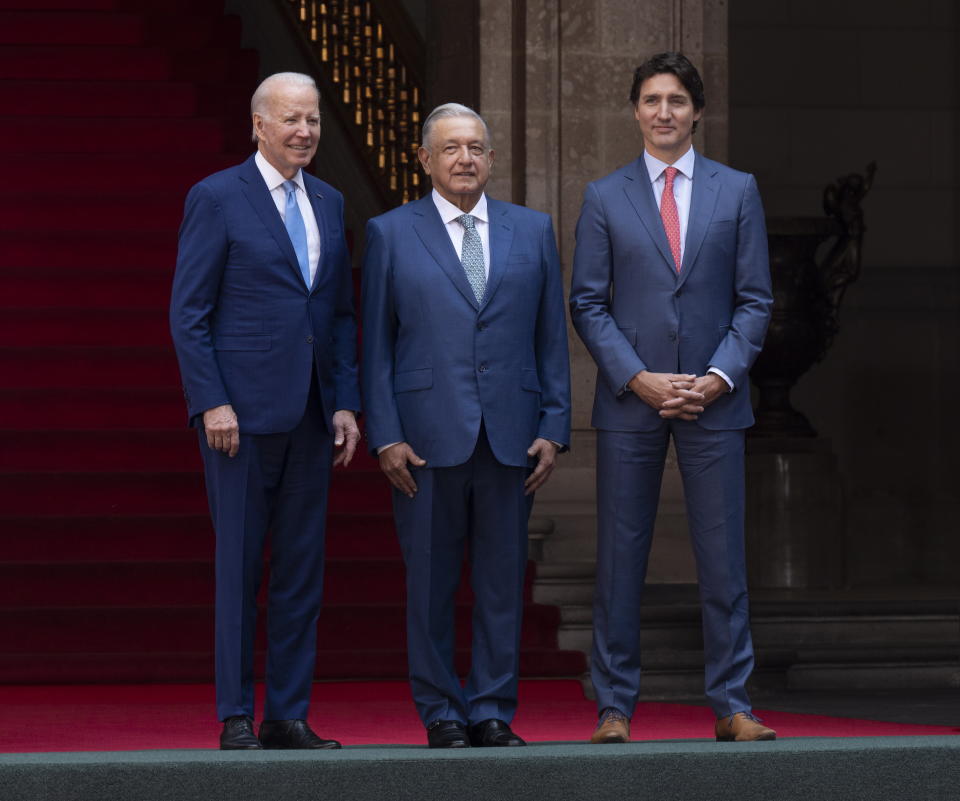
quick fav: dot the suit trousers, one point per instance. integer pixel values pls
(276, 483)
(478, 507)
(629, 472)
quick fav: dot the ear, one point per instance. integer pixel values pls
(490, 157)
(424, 155)
(258, 125)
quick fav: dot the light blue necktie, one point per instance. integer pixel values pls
(293, 220)
(471, 256)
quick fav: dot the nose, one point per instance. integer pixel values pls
(663, 110)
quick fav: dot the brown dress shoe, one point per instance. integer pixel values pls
(614, 727)
(742, 727)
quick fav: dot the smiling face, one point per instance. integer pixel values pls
(666, 115)
(288, 127)
(458, 159)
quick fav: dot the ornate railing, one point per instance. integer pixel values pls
(377, 83)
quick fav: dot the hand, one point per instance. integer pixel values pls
(222, 429)
(393, 462)
(709, 387)
(659, 389)
(546, 454)
(345, 433)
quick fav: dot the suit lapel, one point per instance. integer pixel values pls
(501, 237)
(255, 190)
(315, 203)
(432, 232)
(639, 191)
(703, 202)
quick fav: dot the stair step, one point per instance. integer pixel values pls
(62, 290)
(32, 98)
(179, 666)
(138, 211)
(149, 583)
(159, 629)
(71, 407)
(161, 493)
(167, 537)
(87, 253)
(43, 62)
(88, 326)
(70, 28)
(143, 135)
(106, 174)
(128, 63)
(85, 367)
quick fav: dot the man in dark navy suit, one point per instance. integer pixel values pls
(263, 323)
(671, 295)
(466, 386)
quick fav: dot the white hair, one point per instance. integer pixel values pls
(261, 97)
(446, 111)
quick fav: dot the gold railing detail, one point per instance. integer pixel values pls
(379, 96)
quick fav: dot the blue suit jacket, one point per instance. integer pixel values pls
(635, 312)
(435, 363)
(247, 330)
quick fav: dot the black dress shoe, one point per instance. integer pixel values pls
(493, 732)
(237, 735)
(292, 734)
(447, 734)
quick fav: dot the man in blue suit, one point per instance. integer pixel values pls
(263, 324)
(466, 383)
(671, 295)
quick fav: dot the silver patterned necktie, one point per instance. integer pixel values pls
(471, 256)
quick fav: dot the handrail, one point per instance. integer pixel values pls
(377, 83)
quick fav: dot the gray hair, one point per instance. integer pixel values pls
(446, 111)
(260, 97)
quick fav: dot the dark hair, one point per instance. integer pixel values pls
(676, 64)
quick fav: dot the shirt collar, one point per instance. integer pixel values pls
(684, 164)
(272, 177)
(449, 212)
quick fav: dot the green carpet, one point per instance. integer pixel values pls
(811, 769)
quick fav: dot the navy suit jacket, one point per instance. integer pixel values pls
(247, 330)
(635, 312)
(435, 362)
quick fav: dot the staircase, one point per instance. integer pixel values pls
(112, 109)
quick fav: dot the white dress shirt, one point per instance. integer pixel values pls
(274, 181)
(682, 187)
(449, 214)
(682, 193)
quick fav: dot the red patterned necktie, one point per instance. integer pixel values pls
(670, 216)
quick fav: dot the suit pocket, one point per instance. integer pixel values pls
(242, 342)
(529, 380)
(411, 380)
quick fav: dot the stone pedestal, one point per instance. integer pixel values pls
(795, 514)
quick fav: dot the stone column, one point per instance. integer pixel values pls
(578, 61)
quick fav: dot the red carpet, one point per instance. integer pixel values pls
(137, 717)
(106, 571)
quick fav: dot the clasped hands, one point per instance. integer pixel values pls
(223, 432)
(394, 461)
(677, 396)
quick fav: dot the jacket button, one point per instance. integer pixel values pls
(310, 340)
(678, 293)
(481, 326)
(483, 368)
(673, 336)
